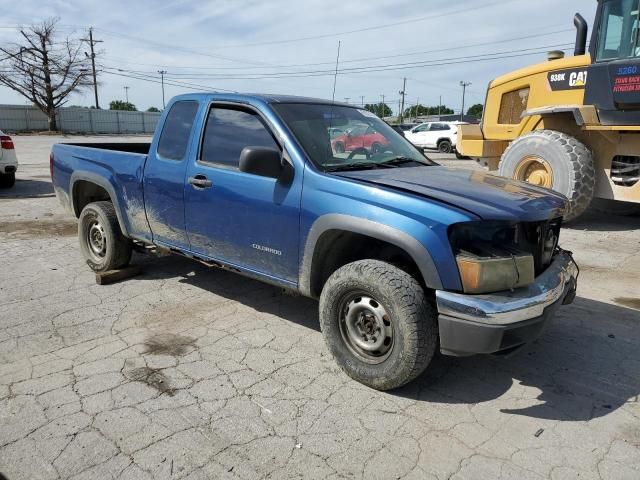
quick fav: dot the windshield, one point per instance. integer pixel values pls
(618, 35)
(346, 138)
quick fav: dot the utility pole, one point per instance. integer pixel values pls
(362, 100)
(440, 106)
(464, 86)
(126, 93)
(162, 74)
(402, 92)
(382, 109)
(417, 106)
(92, 44)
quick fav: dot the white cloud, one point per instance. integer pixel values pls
(196, 32)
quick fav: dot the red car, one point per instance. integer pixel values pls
(362, 136)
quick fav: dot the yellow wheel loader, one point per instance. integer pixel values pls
(571, 124)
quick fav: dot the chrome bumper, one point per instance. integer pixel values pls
(508, 307)
(503, 321)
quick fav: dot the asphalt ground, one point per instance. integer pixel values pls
(188, 372)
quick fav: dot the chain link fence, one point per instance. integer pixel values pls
(24, 118)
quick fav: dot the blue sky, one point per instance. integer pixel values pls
(283, 46)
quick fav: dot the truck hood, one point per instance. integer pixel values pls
(486, 196)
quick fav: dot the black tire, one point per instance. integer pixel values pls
(445, 146)
(614, 207)
(410, 323)
(340, 147)
(376, 148)
(459, 156)
(99, 220)
(7, 180)
(570, 161)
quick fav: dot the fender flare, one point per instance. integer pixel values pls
(347, 223)
(101, 182)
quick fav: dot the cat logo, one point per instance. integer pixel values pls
(578, 79)
(568, 79)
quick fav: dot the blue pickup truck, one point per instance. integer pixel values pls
(405, 256)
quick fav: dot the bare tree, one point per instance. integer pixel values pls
(44, 69)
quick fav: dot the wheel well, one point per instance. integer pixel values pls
(336, 248)
(85, 192)
(444, 139)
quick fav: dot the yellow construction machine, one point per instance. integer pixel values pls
(571, 124)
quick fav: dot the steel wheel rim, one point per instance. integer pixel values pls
(535, 170)
(96, 240)
(366, 328)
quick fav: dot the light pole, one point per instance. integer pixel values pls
(126, 93)
(464, 86)
(162, 74)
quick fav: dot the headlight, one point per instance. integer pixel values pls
(490, 257)
(494, 274)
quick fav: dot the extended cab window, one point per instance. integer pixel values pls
(228, 131)
(177, 130)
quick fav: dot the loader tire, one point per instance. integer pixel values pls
(554, 160)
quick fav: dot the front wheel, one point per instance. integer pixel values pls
(101, 241)
(378, 324)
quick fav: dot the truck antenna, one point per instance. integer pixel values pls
(335, 76)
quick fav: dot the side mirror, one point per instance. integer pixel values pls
(262, 161)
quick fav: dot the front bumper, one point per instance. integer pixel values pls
(504, 321)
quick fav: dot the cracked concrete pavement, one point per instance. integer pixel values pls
(187, 372)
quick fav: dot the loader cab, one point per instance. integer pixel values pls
(613, 85)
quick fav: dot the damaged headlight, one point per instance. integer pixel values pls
(490, 258)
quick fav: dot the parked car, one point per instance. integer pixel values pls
(441, 136)
(405, 256)
(360, 137)
(8, 161)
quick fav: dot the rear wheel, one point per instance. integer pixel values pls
(376, 148)
(339, 147)
(553, 160)
(101, 241)
(7, 180)
(377, 323)
(445, 146)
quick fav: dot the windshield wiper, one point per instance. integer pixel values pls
(401, 161)
(353, 166)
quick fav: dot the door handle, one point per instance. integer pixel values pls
(200, 181)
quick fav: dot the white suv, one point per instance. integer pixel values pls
(8, 161)
(441, 136)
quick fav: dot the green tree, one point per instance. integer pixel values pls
(380, 109)
(476, 110)
(153, 109)
(422, 110)
(122, 105)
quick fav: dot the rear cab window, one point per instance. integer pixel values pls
(176, 131)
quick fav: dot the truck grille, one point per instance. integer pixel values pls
(625, 170)
(541, 239)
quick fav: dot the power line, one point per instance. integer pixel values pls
(368, 68)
